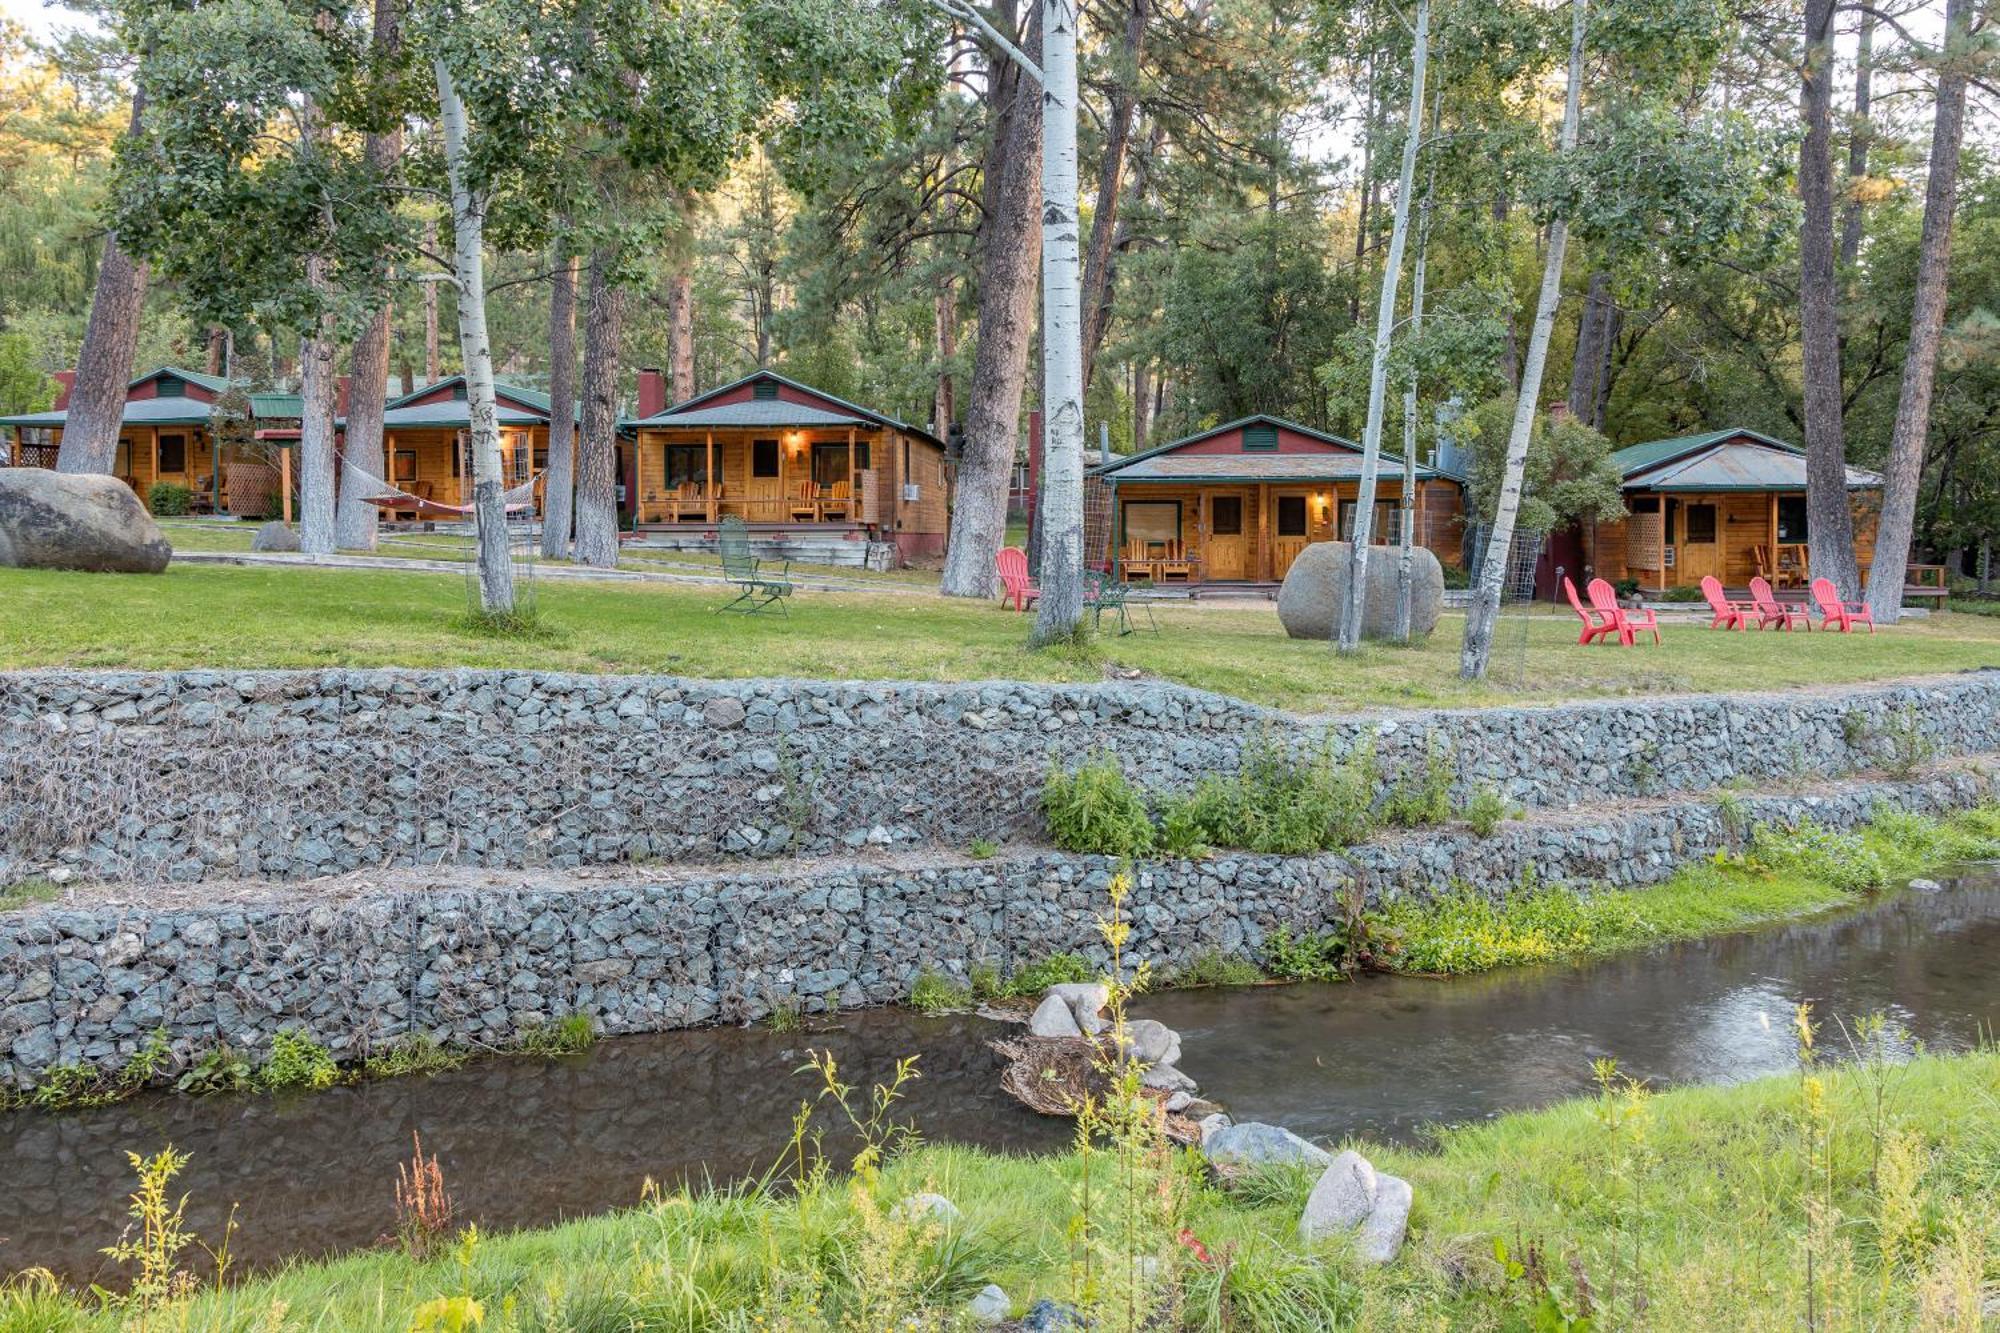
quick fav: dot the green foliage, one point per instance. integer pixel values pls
(68, 1087)
(785, 1016)
(1845, 861)
(521, 625)
(297, 1062)
(220, 1069)
(982, 849)
(1279, 802)
(24, 385)
(1095, 809)
(28, 893)
(1322, 955)
(572, 1034)
(168, 499)
(1487, 808)
(412, 1053)
(1570, 476)
(934, 993)
(1055, 970)
(985, 981)
(1467, 931)
(1215, 968)
(1423, 797)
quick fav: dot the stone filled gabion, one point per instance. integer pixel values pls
(190, 775)
(732, 943)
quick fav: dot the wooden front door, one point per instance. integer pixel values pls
(1228, 541)
(1291, 529)
(1700, 552)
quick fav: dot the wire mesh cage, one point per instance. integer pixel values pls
(1509, 660)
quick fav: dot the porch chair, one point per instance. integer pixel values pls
(1137, 563)
(836, 499)
(691, 501)
(1014, 581)
(758, 591)
(1595, 623)
(1836, 614)
(1728, 614)
(1630, 623)
(1175, 565)
(1103, 593)
(805, 504)
(1771, 611)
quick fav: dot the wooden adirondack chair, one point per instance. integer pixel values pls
(1836, 614)
(1628, 623)
(1595, 623)
(1771, 611)
(757, 591)
(1015, 585)
(1728, 614)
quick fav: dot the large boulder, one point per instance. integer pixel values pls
(1255, 1145)
(1313, 599)
(57, 520)
(274, 536)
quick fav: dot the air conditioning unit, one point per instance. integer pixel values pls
(912, 492)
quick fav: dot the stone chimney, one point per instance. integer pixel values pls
(652, 392)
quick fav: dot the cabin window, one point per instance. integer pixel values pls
(458, 391)
(1150, 521)
(173, 454)
(1260, 439)
(1225, 515)
(1792, 518)
(457, 452)
(685, 463)
(1382, 530)
(170, 386)
(1698, 527)
(764, 391)
(763, 458)
(1291, 516)
(829, 461)
(405, 465)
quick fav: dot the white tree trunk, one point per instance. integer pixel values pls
(318, 390)
(559, 494)
(468, 215)
(1477, 649)
(1385, 328)
(1060, 516)
(1405, 557)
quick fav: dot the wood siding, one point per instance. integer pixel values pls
(1262, 553)
(1628, 547)
(878, 491)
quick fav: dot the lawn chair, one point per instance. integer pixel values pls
(1102, 593)
(1728, 614)
(1595, 623)
(805, 503)
(1015, 585)
(1771, 611)
(758, 590)
(1629, 623)
(1835, 613)
(1174, 566)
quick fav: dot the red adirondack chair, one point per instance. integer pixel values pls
(1728, 614)
(1836, 614)
(1595, 623)
(1628, 623)
(1771, 611)
(1015, 585)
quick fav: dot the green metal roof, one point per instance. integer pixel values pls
(527, 398)
(771, 413)
(694, 403)
(1119, 464)
(1638, 458)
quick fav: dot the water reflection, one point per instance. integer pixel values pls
(526, 1142)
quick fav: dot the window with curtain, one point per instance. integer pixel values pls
(1149, 521)
(685, 463)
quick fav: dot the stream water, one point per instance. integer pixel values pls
(526, 1142)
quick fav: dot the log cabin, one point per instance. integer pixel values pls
(424, 452)
(803, 468)
(1729, 503)
(1237, 503)
(168, 435)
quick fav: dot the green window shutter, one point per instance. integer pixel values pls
(764, 391)
(1260, 439)
(170, 386)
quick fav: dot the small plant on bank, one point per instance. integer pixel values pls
(785, 1016)
(1422, 798)
(220, 1069)
(572, 1034)
(297, 1061)
(424, 1208)
(982, 849)
(1216, 968)
(936, 993)
(1843, 860)
(28, 893)
(1055, 970)
(1094, 808)
(1908, 746)
(412, 1053)
(162, 1236)
(71, 1087)
(985, 981)
(1487, 809)
(1320, 955)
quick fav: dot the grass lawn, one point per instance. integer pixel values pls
(209, 616)
(1694, 1209)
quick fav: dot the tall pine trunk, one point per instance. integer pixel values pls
(1477, 650)
(318, 394)
(1406, 537)
(1059, 513)
(475, 348)
(368, 367)
(1860, 139)
(433, 357)
(1349, 638)
(104, 364)
(1896, 527)
(1097, 266)
(944, 318)
(559, 491)
(1829, 520)
(1005, 317)
(597, 493)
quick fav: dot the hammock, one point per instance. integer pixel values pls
(515, 499)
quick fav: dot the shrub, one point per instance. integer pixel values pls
(1320, 955)
(571, 1034)
(1215, 968)
(167, 499)
(222, 1069)
(1843, 860)
(297, 1061)
(1095, 809)
(1055, 970)
(1278, 803)
(413, 1053)
(935, 993)
(1487, 808)
(982, 849)
(1422, 797)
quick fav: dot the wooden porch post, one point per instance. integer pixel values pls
(853, 482)
(1264, 531)
(285, 483)
(156, 460)
(708, 475)
(14, 450)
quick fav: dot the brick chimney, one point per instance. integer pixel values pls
(66, 382)
(652, 392)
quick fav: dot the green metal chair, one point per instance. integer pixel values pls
(1103, 592)
(758, 591)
